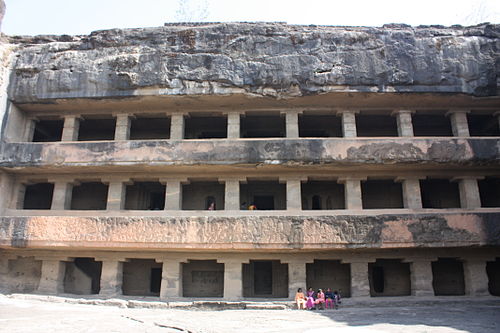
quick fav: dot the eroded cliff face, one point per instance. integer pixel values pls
(270, 59)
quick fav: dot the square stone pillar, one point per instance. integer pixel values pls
(18, 193)
(459, 124)
(61, 197)
(122, 128)
(297, 277)
(476, 278)
(170, 279)
(469, 192)
(293, 193)
(70, 129)
(233, 279)
(348, 123)
(177, 126)
(233, 125)
(232, 194)
(352, 192)
(292, 124)
(111, 277)
(30, 129)
(412, 197)
(52, 277)
(421, 276)
(173, 193)
(4, 271)
(116, 194)
(404, 121)
(360, 285)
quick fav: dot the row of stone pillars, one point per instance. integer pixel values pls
(61, 199)
(476, 279)
(458, 119)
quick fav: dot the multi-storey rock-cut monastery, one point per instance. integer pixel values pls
(129, 160)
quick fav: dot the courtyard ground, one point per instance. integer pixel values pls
(23, 313)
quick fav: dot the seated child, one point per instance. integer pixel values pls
(300, 299)
(320, 299)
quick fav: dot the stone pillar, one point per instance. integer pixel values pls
(18, 193)
(469, 192)
(173, 193)
(296, 277)
(352, 192)
(293, 194)
(459, 124)
(292, 124)
(116, 195)
(52, 277)
(497, 114)
(4, 271)
(232, 194)
(476, 278)
(233, 279)
(70, 129)
(170, 279)
(421, 277)
(348, 123)
(404, 121)
(233, 125)
(412, 197)
(111, 278)
(61, 197)
(177, 126)
(122, 128)
(360, 285)
(30, 129)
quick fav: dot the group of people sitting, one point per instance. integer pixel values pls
(317, 300)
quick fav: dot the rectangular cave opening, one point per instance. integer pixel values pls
(139, 275)
(448, 277)
(483, 125)
(202, 278)
(83, 276)
(38, 196)
(326, 274)
(212, 126)
(493, 272)
(203, 195)
(389, 277)
(263, 195)
(320, 195)
(381, 193)
(376, 125)
(94, 128)
(431, 124)
(262, 125)
(145, 127)
(265, 278)
(49, 130)
(439, 193)
(145, 195)
(319, 126)
(89, 196)
(489, 191)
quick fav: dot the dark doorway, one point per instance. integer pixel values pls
(263, 277)
(448, 277)
(83, 276)
(493, 271)
(48, 130)
(329, 274)
(202, 278)
(378, 279)
(155, 280)
(264, 202)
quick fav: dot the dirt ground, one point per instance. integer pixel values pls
(456, 315)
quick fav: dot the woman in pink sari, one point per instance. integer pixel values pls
(320, 299)
(310, 298)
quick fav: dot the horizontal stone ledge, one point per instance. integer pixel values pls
(252, 232)
(334, 151)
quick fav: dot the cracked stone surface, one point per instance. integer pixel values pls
(266, 59)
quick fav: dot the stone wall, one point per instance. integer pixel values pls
(246, 232)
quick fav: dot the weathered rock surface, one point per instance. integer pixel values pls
(243, 232)
(269, 59)
(394, 151)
